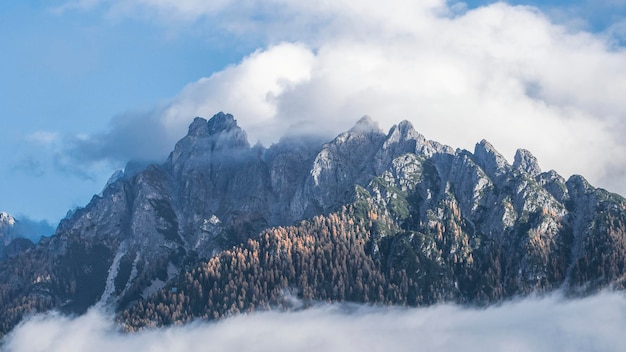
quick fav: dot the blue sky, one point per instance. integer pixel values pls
(71, 73)
(87, 85)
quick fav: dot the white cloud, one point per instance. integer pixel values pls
(249, 90)
(500, 72)
(546, 324)
(43, 137)
(76, 5)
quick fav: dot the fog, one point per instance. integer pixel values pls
(534, 324)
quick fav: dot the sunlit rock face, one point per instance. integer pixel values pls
(438, 223)
(6, 225)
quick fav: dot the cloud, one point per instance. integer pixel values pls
(130, 136)
(535, 324)
(32, 229)
(249, 89)
(29, 165)
(501, 72)
(43, 137)
(590, 14)
(81, 156)
(77, 5)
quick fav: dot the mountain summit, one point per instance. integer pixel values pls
(222, 227)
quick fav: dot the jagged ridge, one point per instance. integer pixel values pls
(436, 224)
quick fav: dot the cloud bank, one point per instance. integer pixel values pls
(500, 72)
(535, 324)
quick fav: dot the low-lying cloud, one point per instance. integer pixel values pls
(535, 324)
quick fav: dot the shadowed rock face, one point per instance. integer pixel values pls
(464, 226)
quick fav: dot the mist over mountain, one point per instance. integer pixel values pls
(535, 324)
(223, 227)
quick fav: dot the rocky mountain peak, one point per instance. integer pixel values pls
(526, 162)
(219, 124)
(198, 127)
(366, 125)
(484, 147)
(226, 134)
(554, 184)
(216, 137)
(7, 223)
(404, 131)
(405, 126)
(490, 159)
(222, 122)
(577, 186)
(6, 219)
(402, 138)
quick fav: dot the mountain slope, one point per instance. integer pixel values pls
(460, 227)
(392, 218)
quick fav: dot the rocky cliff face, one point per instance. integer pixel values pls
(494, 230)
(436, 223)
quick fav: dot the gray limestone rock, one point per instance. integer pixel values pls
(151, 223)
(526, 162)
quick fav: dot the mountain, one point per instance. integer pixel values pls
(223, 227)
(11, 241)
(7, 222)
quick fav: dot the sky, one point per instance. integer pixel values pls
(88, 85)
(531, 325)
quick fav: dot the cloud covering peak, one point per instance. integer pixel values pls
(500, 72)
